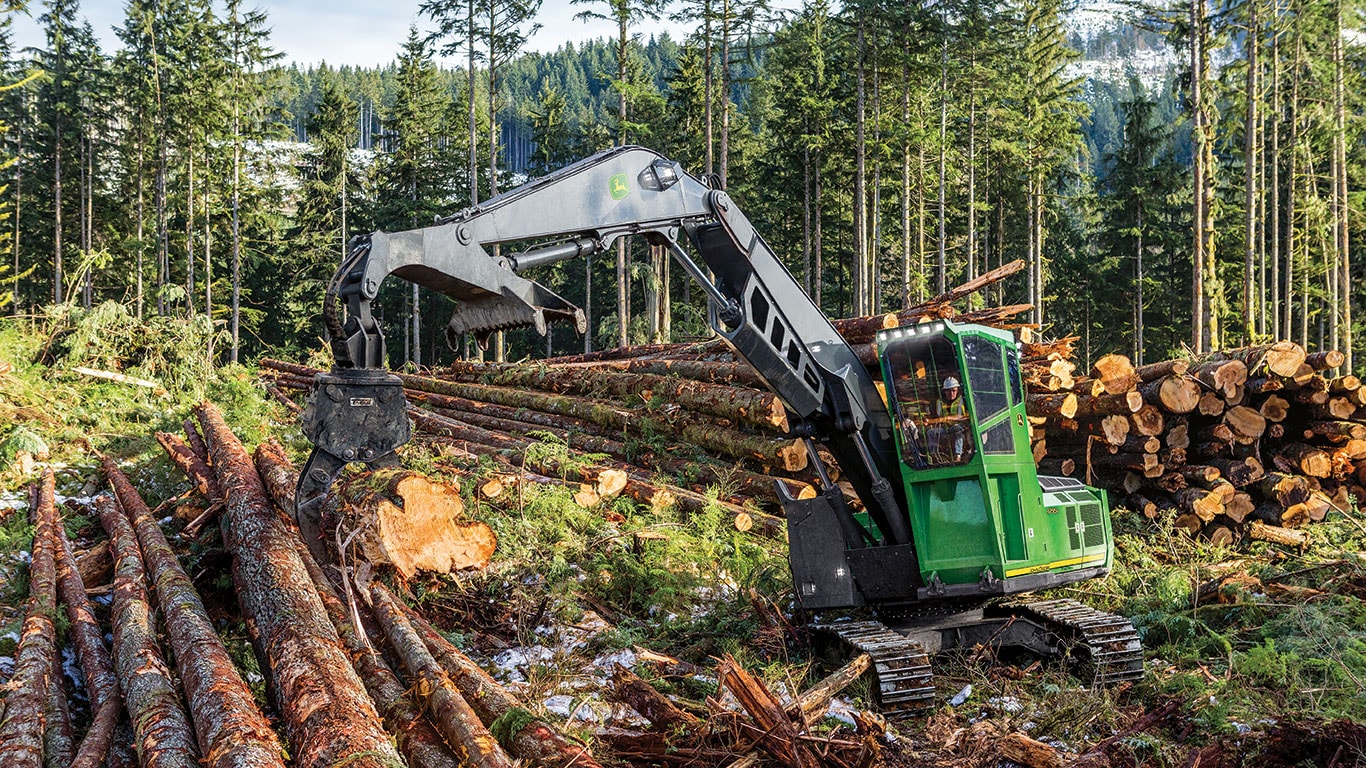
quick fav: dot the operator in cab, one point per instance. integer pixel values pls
(949, 407)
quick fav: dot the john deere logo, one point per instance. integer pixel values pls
(618, 186)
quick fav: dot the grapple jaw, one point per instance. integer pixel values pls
(527, 305)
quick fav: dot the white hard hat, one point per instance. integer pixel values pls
(950, 383)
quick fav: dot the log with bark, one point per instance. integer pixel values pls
(328, 716)
(25, 714)
(417, 739)
(754, 407)
(527, 737)
(411, 522)
(777, 734)
(161, 729)
(189, 463)
(98, 669)
(230, 729)
(471, 740)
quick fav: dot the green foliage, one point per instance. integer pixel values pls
(175, 352)
(21, 439)
(511, 723)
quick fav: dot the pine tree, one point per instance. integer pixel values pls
(328, 182)
(414, 177)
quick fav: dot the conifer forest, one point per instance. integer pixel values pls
(1186, 175)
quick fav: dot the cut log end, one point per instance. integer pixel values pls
(416, 524)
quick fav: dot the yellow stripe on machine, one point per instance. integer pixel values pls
(1056, 564)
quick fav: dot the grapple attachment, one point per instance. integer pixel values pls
(352, 415)
(527, 305)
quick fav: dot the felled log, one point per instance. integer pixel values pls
(1148, 420)
(1284, 489)
(95, 565)
(1211, 404)
(1174, 394)
(1122, 403)
(412, 523)
(162, 731)
(1061, 404)
(452, 714)
(1204, 504)
(988, 278)
(1275, 409)
(1343, 384)
(527, 738)
(194, 468)
(753, 484)
(664, 715)
(195, 440)
(1239, 507)
(1347, 430)
(861, 329)
(1247, 424)
(417, 739)
(712, 372)
(21, 729)
(1166, 368)
(1325, 360)
(788, 455)
(59, 740)
(328, 717)
(1304, 459)
(1282, 358)
(86, 635)
(1277, 535)
(1115, 373)
(641, 487)
(1221, 375)
(812, 704)
(230, 730)
(759, 408)
(1240, 472)
(1145, 463)
(1336, 408)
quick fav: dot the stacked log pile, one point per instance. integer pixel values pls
(665, 424)
(1255, 441)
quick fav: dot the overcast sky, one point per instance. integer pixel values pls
(361, 32)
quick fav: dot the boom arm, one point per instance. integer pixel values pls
(756, 306)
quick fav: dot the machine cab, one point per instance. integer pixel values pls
(981, 517)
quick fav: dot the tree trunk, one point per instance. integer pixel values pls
(328, 716)
(417, 740)
(1343, 222)
(161, 729)
(471, 741)
(533, 739)
(184, 457)
(411, 523)
(21, 729)
(231, 730)
(1250, 309)
(860, 300)
(85, 633)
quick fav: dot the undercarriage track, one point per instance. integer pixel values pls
(903, 680)
(1111, 642)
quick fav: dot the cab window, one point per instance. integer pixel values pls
(929, 402)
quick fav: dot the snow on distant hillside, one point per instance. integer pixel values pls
(1112, 46)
